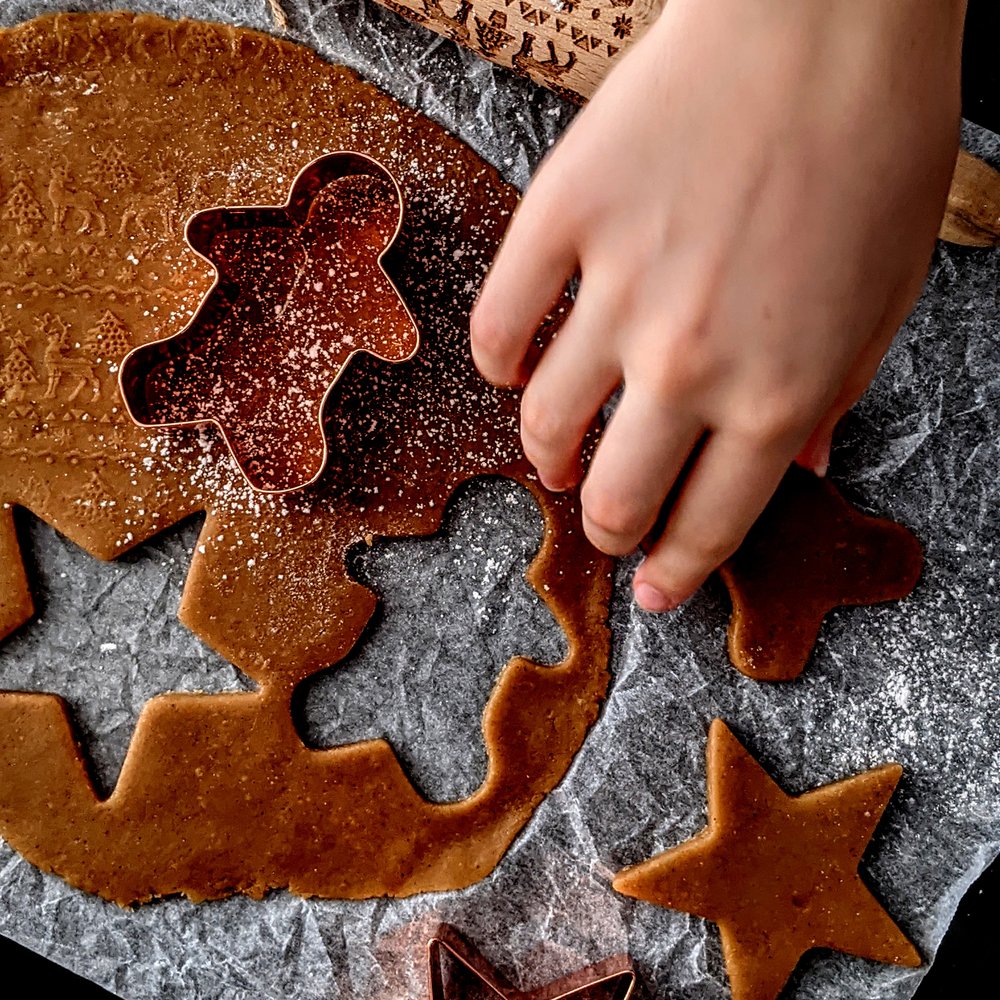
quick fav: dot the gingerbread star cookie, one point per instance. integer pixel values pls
(778, 873)
(809, 552)
(459, 972)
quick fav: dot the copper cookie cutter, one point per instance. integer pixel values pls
(610, 979)
(278, 317)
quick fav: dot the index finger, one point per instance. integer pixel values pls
(535, 261)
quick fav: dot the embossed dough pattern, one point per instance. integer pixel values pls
(113, 129)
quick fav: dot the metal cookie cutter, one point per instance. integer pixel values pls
(611, 979)
(300, 289)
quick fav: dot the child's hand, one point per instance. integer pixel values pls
(751, 200)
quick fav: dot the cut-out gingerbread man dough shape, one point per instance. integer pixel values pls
(218, 794)
(301, 290)
(778, 873)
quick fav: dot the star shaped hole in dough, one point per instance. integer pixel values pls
(778, 873)
(106, 637)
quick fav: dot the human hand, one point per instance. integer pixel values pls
(751, 200)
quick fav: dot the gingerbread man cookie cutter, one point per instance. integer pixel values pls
(300, 289)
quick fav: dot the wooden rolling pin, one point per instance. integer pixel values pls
(972, 218)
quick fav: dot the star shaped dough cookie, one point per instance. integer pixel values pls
(809, 552)
(459, 972)
(778, 873)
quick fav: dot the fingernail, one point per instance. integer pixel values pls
(821, 462)
(559, 484)
(650, 599)
(552, 486)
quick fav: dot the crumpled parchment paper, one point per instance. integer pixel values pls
(916, 681)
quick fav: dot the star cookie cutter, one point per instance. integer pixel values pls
(610, 979)
(299, 290)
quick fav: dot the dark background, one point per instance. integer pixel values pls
(965, 965)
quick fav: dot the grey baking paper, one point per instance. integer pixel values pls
(917, 681)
